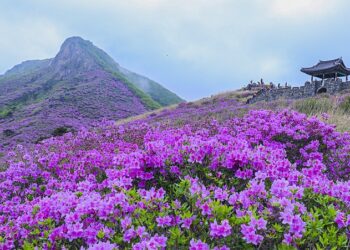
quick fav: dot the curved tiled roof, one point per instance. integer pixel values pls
(328, 69)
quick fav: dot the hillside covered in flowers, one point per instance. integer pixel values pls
(250, 180)
(81, 85)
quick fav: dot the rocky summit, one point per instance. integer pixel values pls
(81, 85)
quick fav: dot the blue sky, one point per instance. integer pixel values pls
(195, 48)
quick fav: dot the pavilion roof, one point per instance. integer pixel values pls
(328, 69)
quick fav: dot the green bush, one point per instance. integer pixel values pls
(4, 113)
(8, 132)
(60, 131)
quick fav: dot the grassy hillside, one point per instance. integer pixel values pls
(145, 98)
(233, 104)
(156, 91)
(337, 108)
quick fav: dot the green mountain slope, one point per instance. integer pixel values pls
(158, 93)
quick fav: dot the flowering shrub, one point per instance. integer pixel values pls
(267, 180)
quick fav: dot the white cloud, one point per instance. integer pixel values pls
(272, 66)
(27, 39)
(303, 9)
(234, 40)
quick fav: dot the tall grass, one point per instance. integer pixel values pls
(337, 108)
(344, 106)
(314, 106)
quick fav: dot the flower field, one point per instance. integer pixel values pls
(264, 180)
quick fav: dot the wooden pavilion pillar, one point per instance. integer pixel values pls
(312, 79)
(322, 79)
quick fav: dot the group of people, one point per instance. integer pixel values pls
(261, 85)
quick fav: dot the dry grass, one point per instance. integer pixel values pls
(342, 121)
(144, 115)
(337, 107)
(239, 95)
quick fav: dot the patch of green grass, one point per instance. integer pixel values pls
(5, 113)
(161, 94)
(145, 99)
(312, 106)
(61, 131)
(344, 106)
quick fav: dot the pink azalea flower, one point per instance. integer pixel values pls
(198, 245)
(220, 230)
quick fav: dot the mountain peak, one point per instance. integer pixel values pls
(77, 55)
(76, 38)
(76, 41)
(80, 85)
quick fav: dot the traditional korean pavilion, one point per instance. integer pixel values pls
(328, 69)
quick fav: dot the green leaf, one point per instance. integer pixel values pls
(186, 214)
(100, 234)
(36, 231)
(278, 228)
(30, 197)
(35, 210)
(118, 239)
(175, 232)
(323, 240)
(79, 194)
(332, 212)
(28, 246)
(285, 247)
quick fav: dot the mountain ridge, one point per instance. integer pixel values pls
(79, 86)
(98, 59)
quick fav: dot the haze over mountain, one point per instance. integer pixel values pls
(79, 86)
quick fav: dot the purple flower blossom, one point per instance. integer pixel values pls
(141, 232)
(221, 248)
(187, 222)
(175, 170)
(220, 230)
(206, 210)
(129, 234)
(110, 181)
(288, 239)
(198, 245)
(340, 219)
(126, 222)
(297, 227)
(156, 242)
(250, 235)
(164, 221)
(103, 246)
(258, 224)
(220, 194)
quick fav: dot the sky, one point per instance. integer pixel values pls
(195, 48)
